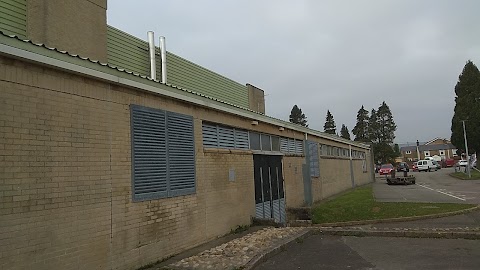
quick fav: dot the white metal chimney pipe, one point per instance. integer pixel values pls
(151, 50)
(163, 55)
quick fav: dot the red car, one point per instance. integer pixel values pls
(386, 169)
(449, 162)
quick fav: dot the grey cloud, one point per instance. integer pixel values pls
(336, 55)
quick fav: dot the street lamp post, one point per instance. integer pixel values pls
(418, 152)
(466, 148)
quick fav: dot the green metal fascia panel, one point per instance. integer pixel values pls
(127, 52)
(131, 53)
(13, 17)
(188, 75)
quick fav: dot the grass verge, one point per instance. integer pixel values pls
(359, 204)
(461, 175)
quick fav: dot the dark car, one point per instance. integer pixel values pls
(403, 167)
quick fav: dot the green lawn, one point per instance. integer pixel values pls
(359, 204)
(461, 175)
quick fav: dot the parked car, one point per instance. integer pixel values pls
(462, 163)
(449, 162)
(437, 164)
(426, 165)
(403, 167)
(386, 169)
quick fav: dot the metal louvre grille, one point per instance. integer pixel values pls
(226, 138)
(217, 136)
(298, 147)
(163, 157)
(284, 145)
(241, 139)
(181, 154)
(210, 136)
(291, 146)
(149, 153)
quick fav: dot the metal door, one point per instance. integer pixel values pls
(269, 189)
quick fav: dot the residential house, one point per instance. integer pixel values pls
(440, 148)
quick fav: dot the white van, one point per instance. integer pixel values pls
(426, 165)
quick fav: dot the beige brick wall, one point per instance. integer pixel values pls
(334, 175)
(293, 177)
(65, 176)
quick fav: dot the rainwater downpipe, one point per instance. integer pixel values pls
(151, 50)
(163, 55)
(352, 176)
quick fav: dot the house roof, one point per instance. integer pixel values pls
(428, 147)
(39, 53)
(437, 138)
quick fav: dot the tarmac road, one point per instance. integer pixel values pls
(347, 252)
(336, 252)
(436, 187)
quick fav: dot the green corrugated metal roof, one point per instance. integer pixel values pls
(131, 53)
(13, 19)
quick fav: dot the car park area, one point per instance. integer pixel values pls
(436, 186)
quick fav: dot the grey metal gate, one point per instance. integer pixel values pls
(269, 189)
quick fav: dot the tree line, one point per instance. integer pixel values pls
(376, 128)
(467, 110)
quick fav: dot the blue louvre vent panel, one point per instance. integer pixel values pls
(226, 137)
(181, 154)
(163, 154)
(218, 136)
(241, 139)
(298, 147)
(210, 135)
(284, 145)
(149, 153)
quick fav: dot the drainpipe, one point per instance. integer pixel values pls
(352, 177)
(151, 50)
(163, 55)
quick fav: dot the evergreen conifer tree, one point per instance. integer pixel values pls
(344, 133)
(361, 128)
(329, 126)
(467, 107)
(297, 117)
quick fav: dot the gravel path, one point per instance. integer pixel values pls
(238, 252)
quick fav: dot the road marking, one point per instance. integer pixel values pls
(442, 192)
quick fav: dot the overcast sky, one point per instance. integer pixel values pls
(325, 55)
